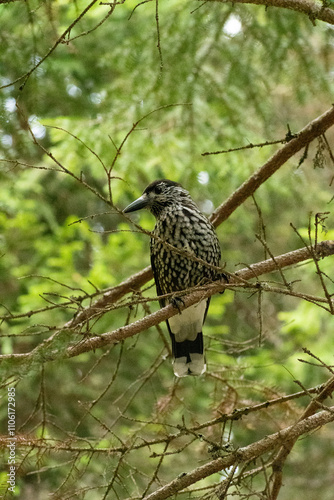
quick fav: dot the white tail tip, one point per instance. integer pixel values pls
(196, 366)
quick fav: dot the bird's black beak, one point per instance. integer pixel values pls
(138, 204)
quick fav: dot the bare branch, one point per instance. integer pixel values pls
(49, 444)
(245, 454)
(131, 284)
(323, 249)
(267, 266)
(313, 130)
(285, 450)
(60, 40)
(313, 10)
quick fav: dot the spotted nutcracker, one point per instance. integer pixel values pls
(180, 224)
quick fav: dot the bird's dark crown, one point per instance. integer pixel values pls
(161, 185)
(160, 194)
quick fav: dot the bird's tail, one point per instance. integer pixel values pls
(188, 356)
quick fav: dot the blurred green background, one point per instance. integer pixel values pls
(205, 77)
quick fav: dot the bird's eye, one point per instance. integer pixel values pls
(158, 189)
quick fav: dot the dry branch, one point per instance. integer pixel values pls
(131, 284)
(285, 450)
(245, 454)
(27, 441)
(323, 249)
(314, 10)
(313, 130)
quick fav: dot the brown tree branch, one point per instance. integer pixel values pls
(314, 10)
(245, 454)
(313, 130)
(306, 135)
(310, 132)
(323, 249)
(277, 466)
(44, 350)
(26, 441)
(135, 282)
(60, 40)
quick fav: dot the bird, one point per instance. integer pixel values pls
(181, 226)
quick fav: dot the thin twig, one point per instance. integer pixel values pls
(245, 454)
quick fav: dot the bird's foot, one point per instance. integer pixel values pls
(177, 302)
(223, 277)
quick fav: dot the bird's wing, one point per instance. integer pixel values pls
(162, 302)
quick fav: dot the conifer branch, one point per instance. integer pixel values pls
(323, 249)
(314, 129)
(239, 279)
(285, 449)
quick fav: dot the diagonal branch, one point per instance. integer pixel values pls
(46, 351)
(285, 450)
(131, 284)
(245, 454)
(305, 136)
(323, 249)
(314, 129)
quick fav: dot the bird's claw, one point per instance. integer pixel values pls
(176, 302)
(224, 277)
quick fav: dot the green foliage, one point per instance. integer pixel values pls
(119, 102)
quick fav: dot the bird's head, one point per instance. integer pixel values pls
(158, 195)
